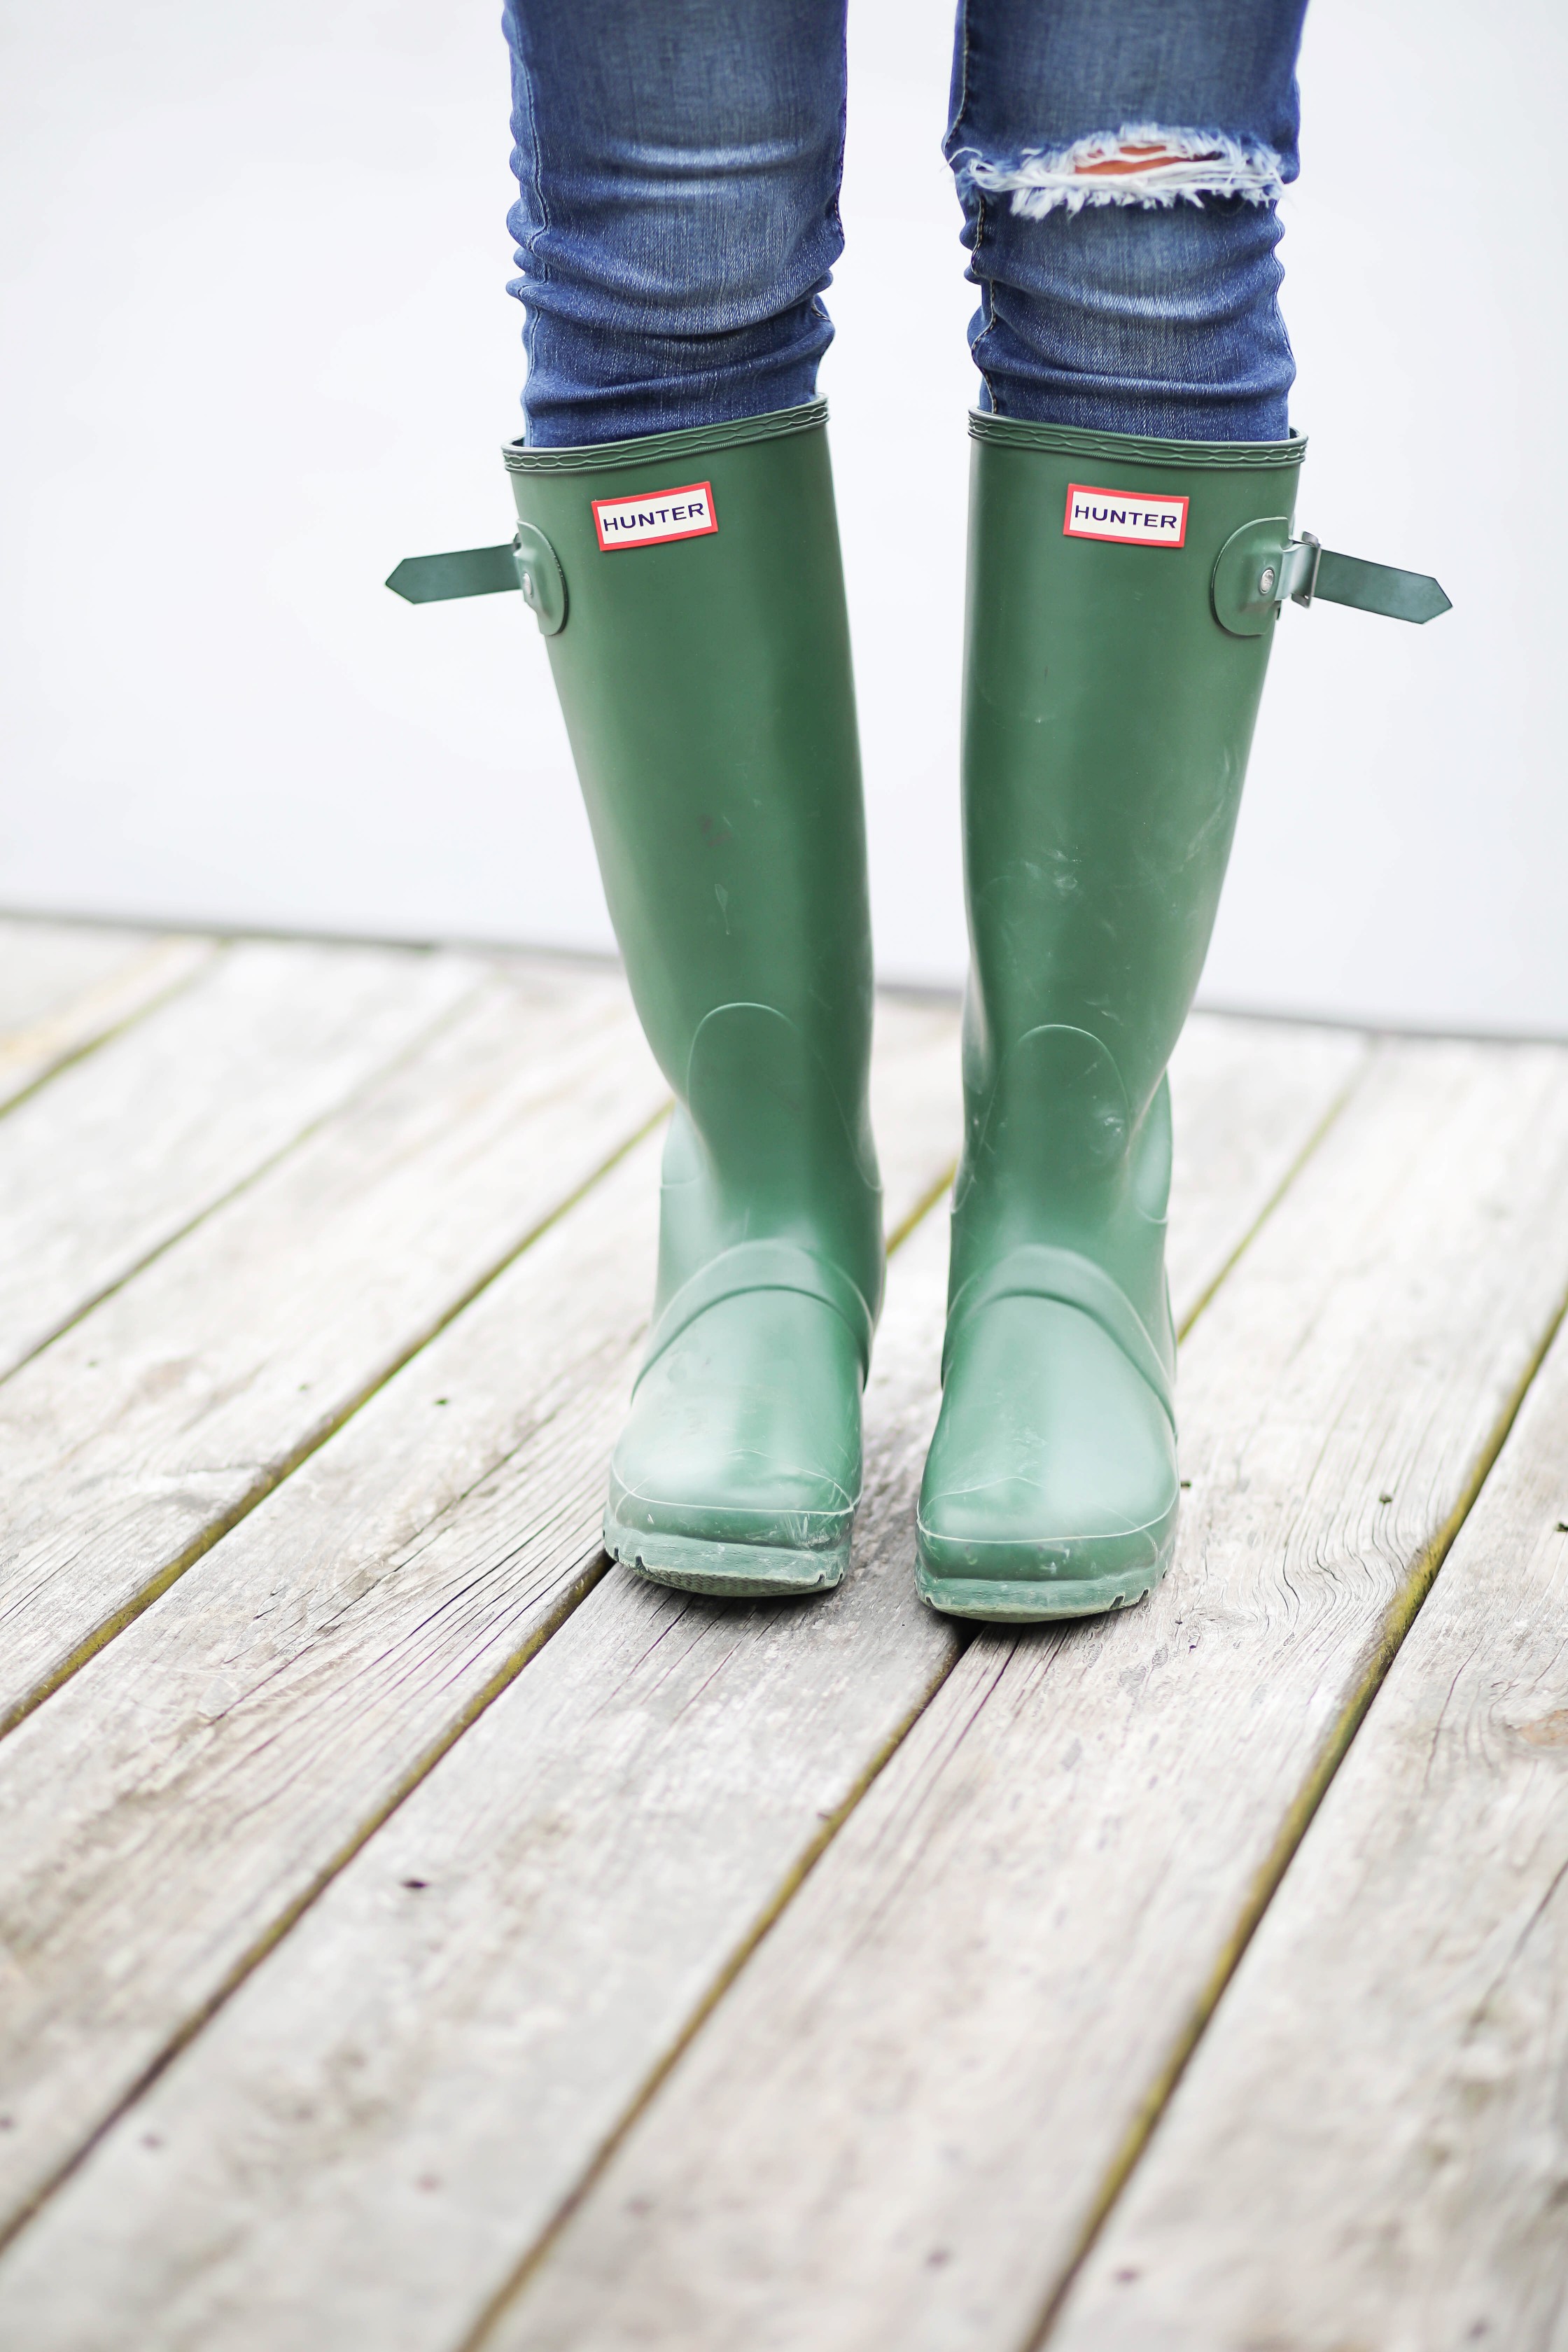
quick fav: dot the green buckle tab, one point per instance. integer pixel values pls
(1377, 588)
(528, 562)
(467, 572)
(1260, 568)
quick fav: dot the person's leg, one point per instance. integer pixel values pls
(679, 164)
(1118, 160)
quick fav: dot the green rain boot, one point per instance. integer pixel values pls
(690, 589)
(1122, 599)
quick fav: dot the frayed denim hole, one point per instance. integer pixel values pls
(1143, 164)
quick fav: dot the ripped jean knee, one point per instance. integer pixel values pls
(1119, 171)
(1133, 317)
(1142, 167)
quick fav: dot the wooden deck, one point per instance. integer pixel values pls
(414, 1935)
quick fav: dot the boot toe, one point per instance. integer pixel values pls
(738, 1469)
(1050, 1488)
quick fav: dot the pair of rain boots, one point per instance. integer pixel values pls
(1122, 599)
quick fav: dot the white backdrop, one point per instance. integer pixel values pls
(257, 349)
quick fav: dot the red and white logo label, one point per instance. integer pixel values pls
(645, 521)
(1127, 515)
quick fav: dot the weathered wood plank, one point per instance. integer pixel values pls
(161, 1418)
(1371, 2146)
(900, 2124)
(63, 987)
(196, 1782)
(123, 1151)
(45, 963)
(917, 1104)
(593, 1856)
(1244, 1092)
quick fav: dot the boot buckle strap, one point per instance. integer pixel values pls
(528, 562)
(1261, 568)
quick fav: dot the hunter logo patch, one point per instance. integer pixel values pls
(1131, 516)
(645, 521)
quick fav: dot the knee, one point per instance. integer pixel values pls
(682, 289)
(1131, 267)
(689, 241)
(1167, 280)
(677, 173)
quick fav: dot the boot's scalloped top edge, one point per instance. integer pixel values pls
(662, 448)
(1134, 449)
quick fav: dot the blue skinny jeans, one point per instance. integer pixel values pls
(1118, 164)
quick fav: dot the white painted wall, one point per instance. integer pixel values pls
(257, 349)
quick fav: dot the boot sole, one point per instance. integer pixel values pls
(727, 1572)
(1031, 1600)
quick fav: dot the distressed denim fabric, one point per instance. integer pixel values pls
(1118, 164)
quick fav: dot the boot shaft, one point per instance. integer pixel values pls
(1108, 718)
(701, 657)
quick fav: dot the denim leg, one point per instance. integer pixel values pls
(678, 166)
(1119, 162)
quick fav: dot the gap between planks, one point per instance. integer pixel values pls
(65, 990)
(888, 1611)
(122, 1154)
